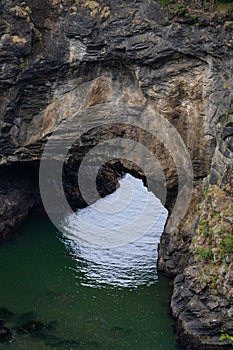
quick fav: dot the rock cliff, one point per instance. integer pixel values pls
(92, 61)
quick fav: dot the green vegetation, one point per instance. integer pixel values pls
(215, 232)
(226, 336)
(225, 5)
(212, 246)
(174, 7)
(187, 7)
(227, 245)
(207, 233)
(22, 63)
(207, 255)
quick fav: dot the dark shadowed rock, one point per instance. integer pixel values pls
(6, 335)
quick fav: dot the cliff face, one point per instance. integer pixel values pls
(203, 290)
(93, 61)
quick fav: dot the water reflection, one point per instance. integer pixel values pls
(110, 220)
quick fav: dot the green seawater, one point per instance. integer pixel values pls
(40, 281)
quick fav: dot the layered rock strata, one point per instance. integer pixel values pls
(95, 63)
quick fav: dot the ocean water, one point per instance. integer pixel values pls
(118, 237)
(92, 286)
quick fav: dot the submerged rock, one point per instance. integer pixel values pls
(26, 317)
(4, 331)
(6, 335)
(32, 327)
(6, 315)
